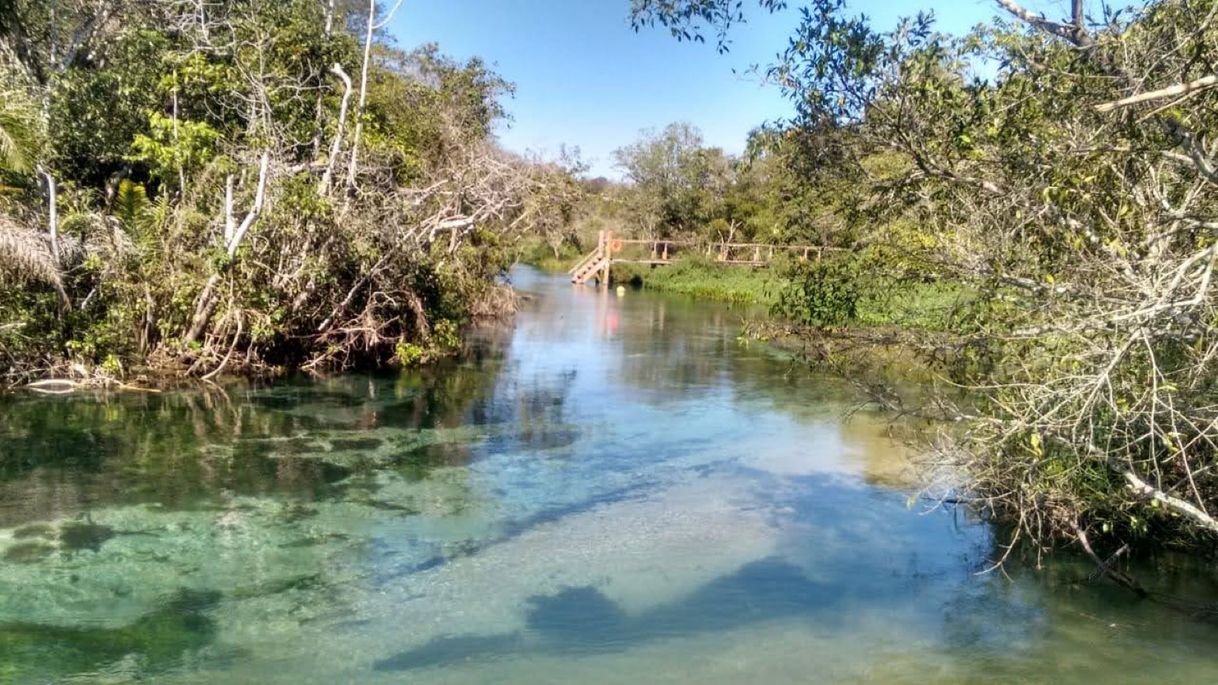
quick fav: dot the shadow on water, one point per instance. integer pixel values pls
(158, 641)
(582, 620)
(35, 541)
(872, 557)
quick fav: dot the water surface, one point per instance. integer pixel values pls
(613, 490)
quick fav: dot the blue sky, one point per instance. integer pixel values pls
(585, 79)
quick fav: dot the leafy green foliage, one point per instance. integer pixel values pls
(1083, 315)
(669, 171)
(180, 245)
(20, 134)
(174, 147)
(688, 19)
(823, 293)
(131, 207)
(97, 109)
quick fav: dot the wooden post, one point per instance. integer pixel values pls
(608, 258)
(666, 252)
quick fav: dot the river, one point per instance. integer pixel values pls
(610, 490)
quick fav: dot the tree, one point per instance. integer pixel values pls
(373, 24)
(689, 19)
(188, 152)
(1072, 193)
(669, 172)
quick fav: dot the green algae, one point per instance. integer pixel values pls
(158, 640)
(35, 530)
(28, 552)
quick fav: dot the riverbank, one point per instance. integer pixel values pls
(164, 370)
(928, 305)
(706, 280)
(540, 255)
(258, 239)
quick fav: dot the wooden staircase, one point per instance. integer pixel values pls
(589, 267)
(594, 264)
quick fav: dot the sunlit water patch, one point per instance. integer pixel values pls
(612, 490)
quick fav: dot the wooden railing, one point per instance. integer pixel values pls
(660, 251)
(663, 251)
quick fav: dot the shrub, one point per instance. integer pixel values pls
(822, 293)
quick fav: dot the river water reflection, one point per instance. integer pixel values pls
(613, 490)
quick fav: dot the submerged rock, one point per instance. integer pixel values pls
(354, 444)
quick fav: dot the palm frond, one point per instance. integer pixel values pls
(18, 134)
(131, 206)
(27, 255)
(93, 234)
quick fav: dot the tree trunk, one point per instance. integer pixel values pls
(230, 220)
(53, 214)
(373, 25)
(319, 116)
(177, 141)
(327, 178)
(353, 166)
(205, 306)
(329, 18)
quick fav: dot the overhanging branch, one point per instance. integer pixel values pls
(1075, 32)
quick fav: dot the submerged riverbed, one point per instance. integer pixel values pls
(612, 490)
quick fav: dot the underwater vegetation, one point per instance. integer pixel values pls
(157, 641)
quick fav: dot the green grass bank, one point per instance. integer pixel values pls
(706, 280)
(906, 304)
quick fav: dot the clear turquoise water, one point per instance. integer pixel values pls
(613, 490)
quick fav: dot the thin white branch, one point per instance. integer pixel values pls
(327, 178)
(388, 16)
(53, 213)
(256, 210)
(1203, 83)
(1073, 32)
(230, 219)
(1182, 507)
